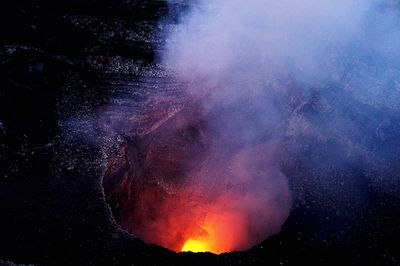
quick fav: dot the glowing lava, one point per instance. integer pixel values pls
(205, 241)
(196, 245)
(221, 231)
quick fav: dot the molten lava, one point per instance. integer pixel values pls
(204, 242)
(195, 245)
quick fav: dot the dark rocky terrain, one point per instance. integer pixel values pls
(61, 62)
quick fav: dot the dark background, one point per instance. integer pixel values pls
(67, 58)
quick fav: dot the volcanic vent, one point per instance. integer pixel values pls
(207, 178)
(188, 186)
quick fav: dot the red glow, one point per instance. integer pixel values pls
(216, 234)
(186, 221)
(177, 187)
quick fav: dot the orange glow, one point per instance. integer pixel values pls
(179, 186)
(196, 245)
(204, 242)
(221, 231)
(221, 206)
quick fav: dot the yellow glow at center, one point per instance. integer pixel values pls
(195, 245)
